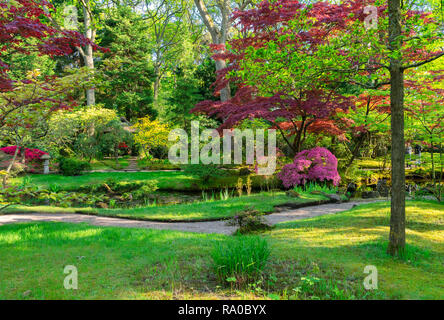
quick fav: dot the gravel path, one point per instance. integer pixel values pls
(202, 227)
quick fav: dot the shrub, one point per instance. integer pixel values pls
(148, 188)
(73, 167)
(30, 154)
(240, 259)
(249, 220)
(317, 164)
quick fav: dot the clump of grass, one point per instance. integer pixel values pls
(312, 186)
(240, 260)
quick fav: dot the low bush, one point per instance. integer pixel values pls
(317, 164)
(145, 190)
(73, 167)
(248, 221)
(240, 260)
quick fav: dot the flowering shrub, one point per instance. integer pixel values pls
(30, 154)
(317, 164)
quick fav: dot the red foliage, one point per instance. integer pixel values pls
(314, 108)
(24, 22)
(316, 165)
(310, 110)
(30, 154)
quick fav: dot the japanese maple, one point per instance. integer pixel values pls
(26, 104)
(277, 67)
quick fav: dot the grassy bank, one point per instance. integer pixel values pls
(205, 210)
(169, 180)
(119, 263)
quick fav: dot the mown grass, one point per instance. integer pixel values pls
(356, 238)
(167, 180)
(109, 164)
(318, 258)
(205, 210)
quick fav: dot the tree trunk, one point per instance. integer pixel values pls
(225, 93)
(440, 174)
(88, 55)
(356, 149)
(397, 217)
(11, 164)
(156, 86)
(217, 36)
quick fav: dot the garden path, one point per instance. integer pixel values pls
(201, 227)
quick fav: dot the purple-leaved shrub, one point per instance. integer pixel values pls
(316, 165)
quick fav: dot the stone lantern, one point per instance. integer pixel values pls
(45, 159)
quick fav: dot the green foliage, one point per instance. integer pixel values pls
(140, 188)
(73, 167)
(127, 73)
(108, 138)
(148, 188)
(14, 195)
(68, 199)
(151, 134)
(73, 131)
(182, 99)
(205, 74)
(315, 187)
(240, 260)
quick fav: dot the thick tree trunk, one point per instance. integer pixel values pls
(397, 217)
(225, 93)
(218, 36)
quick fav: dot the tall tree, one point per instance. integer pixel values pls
(126, 71)
(26, 103)
(342, 50)
(397, 67)
(219, 31)
(289, 90)
(165, 21)
(90, 31)
(397, 217)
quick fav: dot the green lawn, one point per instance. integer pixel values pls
(109, 164)
(167, 180)
(119, 263)
(170, 180)
(205, 210)
(212, 210)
